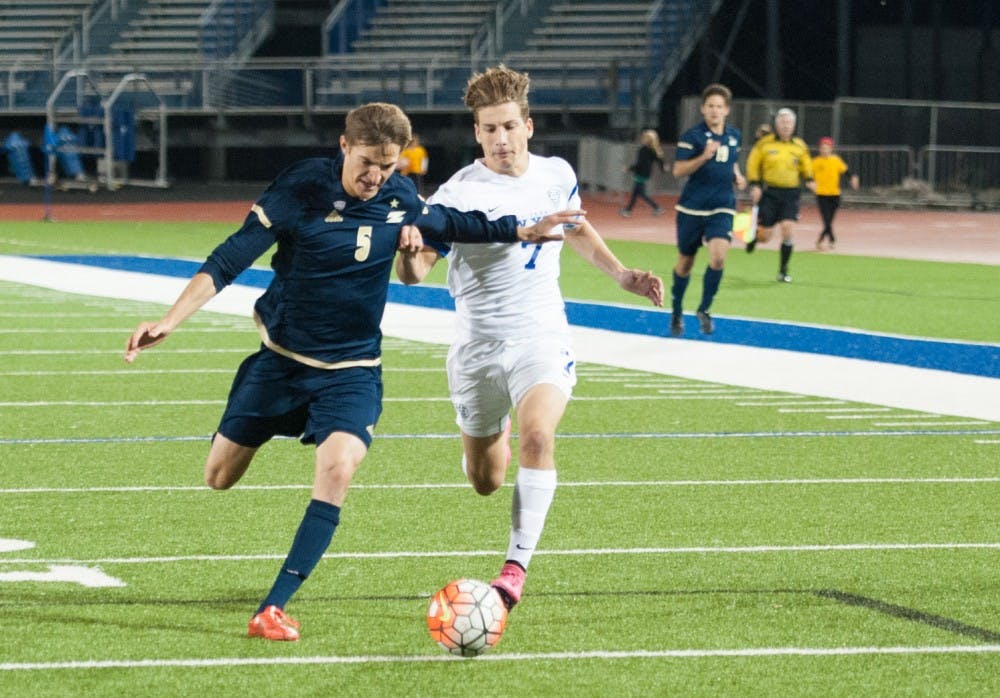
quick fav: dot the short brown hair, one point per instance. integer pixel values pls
(717, 89)
(377, 123)
(497, 85)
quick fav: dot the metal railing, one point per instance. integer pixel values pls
(334, 83)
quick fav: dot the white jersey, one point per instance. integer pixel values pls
(503, 290)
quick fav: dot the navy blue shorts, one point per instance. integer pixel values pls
(777, 204)
(273, 395)
(692, 230)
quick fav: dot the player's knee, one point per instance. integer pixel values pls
(486, 480)
(218, 479)
(536, 445)
(486, 486)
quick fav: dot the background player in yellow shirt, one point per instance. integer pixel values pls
(413, 162)
(827, 171)
(777, 167)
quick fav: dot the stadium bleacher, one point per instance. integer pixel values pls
(421, 29)
(162, 30)
(33, 30)
(588, 32)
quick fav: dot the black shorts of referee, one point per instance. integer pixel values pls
(778, 204)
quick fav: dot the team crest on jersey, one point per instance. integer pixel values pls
(334, 217)
(555, 195)
(732, 142)
(339, 205)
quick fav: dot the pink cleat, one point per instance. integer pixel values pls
(510, 583)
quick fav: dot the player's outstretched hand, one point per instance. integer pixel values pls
(542, 231)
(147, 335)
(410, 239)
(643, 283)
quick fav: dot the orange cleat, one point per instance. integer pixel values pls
(273, 624)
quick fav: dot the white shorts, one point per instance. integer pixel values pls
(488, 377)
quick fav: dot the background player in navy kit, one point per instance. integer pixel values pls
(337, 223)
(708, 155)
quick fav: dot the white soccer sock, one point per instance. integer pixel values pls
(533, 493)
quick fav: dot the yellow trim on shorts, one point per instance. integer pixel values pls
(307, 360)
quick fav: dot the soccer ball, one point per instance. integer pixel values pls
(466, 617)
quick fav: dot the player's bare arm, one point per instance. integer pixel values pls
(587, 242)
(738, 179)
(542, 231)
(199, 291)
(410, 239)
(413, 266)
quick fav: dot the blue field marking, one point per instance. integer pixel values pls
(977, 359)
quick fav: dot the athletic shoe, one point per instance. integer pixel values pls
(273, 624)
(751, 245)
(677, 324)
(783, 278)
(510, 583)
(707, 324)
(624, 213)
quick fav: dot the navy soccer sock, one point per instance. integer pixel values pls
(677, 292)
(311, 541)
(709, 287)
(786, 254)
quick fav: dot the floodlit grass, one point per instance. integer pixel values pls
(818, 557)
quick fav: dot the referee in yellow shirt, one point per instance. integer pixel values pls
(777, 167)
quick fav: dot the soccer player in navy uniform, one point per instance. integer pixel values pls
(708, 155)
(337, 223)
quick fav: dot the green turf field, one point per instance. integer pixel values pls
(705, 539)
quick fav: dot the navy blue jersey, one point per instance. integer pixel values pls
(333, 259)
(709, 189)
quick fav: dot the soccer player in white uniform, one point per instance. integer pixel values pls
(512, 346)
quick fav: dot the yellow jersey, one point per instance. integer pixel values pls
(779, 163)
(827, 172)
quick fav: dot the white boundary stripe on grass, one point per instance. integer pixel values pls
(500, 657)
(577, 552)
(463, 485)
(857, 380)
(895, 433)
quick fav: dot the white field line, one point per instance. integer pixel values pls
(564, 484)
(123, 331)
(784, 403)
(821, 410)
(573, 552)
(155, 403)
(603, 655)
(859, 416)
(119, 352)
(152, 371)
(927, 424)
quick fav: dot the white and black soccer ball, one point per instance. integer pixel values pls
(466, 617)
